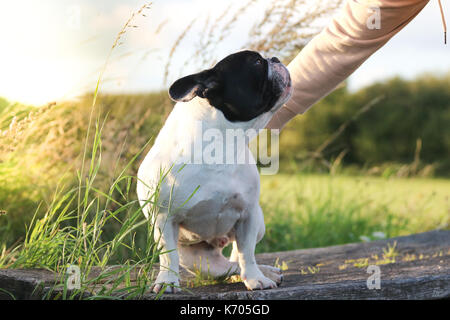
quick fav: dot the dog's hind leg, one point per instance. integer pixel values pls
(207, 259)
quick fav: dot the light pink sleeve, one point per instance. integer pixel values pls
(330, 57)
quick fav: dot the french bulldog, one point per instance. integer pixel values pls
(205, 205)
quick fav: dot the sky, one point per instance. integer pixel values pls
(52, 50)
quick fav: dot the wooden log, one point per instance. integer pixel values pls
(410, 267)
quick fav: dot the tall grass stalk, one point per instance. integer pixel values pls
(74, 236)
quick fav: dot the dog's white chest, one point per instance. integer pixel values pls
(206, 200)
(218, 206)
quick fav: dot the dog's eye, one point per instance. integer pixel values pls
(258, 62)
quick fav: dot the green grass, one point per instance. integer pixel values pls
(72, 232)
(92, 225)
(306, 211)
(53, 215)
(44, 147)
(95, 219)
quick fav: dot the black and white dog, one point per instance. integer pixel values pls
(204, 206)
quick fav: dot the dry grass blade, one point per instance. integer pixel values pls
(343, 126)
(287, 26)
(161, 26)
(174, 47)
(283, 29)
(11, 137)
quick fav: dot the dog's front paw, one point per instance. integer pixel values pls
(257, 281)
(167, 280)
(272, 273)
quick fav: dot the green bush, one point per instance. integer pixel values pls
(388, 132)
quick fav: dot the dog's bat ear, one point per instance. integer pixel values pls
(187, 88)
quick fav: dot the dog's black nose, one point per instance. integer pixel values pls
(275, 59)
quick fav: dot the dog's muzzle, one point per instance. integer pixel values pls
(280, 76)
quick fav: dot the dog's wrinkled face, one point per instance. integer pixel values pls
(243, 86)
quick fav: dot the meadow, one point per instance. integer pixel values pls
(359, 166)
(67, 192)
(309, 210)
(45, 150)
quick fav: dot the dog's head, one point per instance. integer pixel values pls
(243, 86)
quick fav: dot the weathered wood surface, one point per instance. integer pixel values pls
(418, 268)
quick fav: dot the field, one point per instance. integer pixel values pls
(305, 210)
(43, 150)
(66, 201)
(359, 166)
